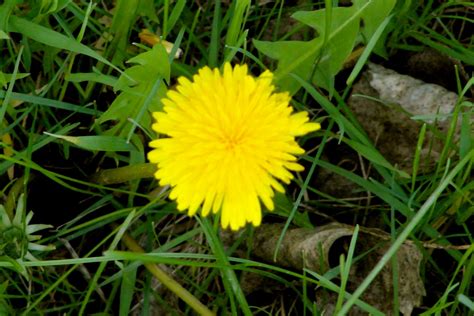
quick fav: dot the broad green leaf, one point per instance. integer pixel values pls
(97, 143)
(135, 85)
(315, 60)
(320, 59)
(374, 15)
(286, 52)
(369, 48)
(147, 8)
(317, 19)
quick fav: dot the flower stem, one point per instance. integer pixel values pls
(124, 174)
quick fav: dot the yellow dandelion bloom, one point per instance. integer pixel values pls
(229, 139)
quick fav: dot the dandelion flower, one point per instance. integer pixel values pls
(229, 140)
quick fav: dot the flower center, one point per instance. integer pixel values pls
(232, 141)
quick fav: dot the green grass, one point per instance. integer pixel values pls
(64, 72)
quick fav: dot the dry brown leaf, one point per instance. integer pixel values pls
(413, 95)
(390, 124)
(301, 247)
(310, 248)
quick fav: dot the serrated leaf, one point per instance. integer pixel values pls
(315, 60)
(147, 8)
(317, 19)
(135, 85)
(318, 60)
(374, 15)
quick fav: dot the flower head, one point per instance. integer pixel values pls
(229, 139)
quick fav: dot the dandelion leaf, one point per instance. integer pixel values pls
(320, 59)
(135, 86)
(373, 16)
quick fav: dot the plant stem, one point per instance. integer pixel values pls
(167, 281)
(124, 174)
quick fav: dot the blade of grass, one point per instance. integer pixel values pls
(336, 289)
(96, 142)
(228, 274)
(368, 50)
(93, 283)
(6, 101)
(175, 15)
(237, 22)
(215, 35)
(346, 268)
(51, 38)
(49, 103)
(416, 159)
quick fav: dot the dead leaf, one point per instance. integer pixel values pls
(380, 293)
(389, 124)
(310, 248)
(413, 95)
(301, 247)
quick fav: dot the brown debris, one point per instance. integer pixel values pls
(310, 249)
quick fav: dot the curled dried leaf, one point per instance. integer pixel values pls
(310, 248)
(301, 247)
